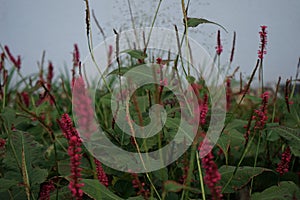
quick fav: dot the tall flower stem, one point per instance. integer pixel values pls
(200, 177)
(261, 52)
(190, 171)
(152, 24)
(275, 98)
(296, 78)
(255, 161)
(139, 151)
(239, 163)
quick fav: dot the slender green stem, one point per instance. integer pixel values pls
(239, 163)
(244, 94)
(296, 78)
(184, 11)
(152, 24)
(185, 193)
(261, 74)
(158, 196)
(200, 177)
(4, 97)
(255, 161)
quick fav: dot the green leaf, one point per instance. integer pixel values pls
(236, 124)
(292, 136)
(240, 179)
(173, 186)
(285, 190)
(254, 99)
(6, 184)
(8, 115)
(161, 174)
(138, 54)
(124, 188)
(21, 162)
(194, 22)
(190, 79)
(232, 138)
(120, 71)
(95, 190)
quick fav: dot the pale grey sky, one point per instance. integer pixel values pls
(31, 26)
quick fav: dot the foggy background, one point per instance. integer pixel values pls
(31, 26)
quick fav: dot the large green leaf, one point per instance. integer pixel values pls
(138, 54)
(6, 184)
(21, 163)
(97, 191)
(194, 22)
(8, 115)
(292, 136)
(284, 191)
(230, 138)
(240, 179)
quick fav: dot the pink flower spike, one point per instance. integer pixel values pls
(102, 177)
(263, 42)
(74, 151)
(17, 63)
(212, 175)
(283, 166)
(219, 47)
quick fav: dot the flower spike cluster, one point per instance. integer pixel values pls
(283, 166)
(16, 62)
(263, 42)
(74, 151)
(102, 177)
(261, 114)
(219, 47)
(212, 175)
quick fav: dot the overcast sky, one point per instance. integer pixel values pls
(31, 26)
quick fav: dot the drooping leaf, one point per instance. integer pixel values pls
(272, 135)
(292, 136)
(285, 190)
(232, 138)
(95, 190)
(138, 54)
(194, 22)
(240, 179)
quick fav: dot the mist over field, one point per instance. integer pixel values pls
(29, 27)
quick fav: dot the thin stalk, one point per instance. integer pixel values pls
(296, 78)
(90, 43)
(185, 193)
(239, 163)
(152, 25)
(244, 94)
(275, 98)
(133, 24)
(184, 11)
(261, 75)
(200, 177)
(4, 97)
(139, 151)
(255, 162)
